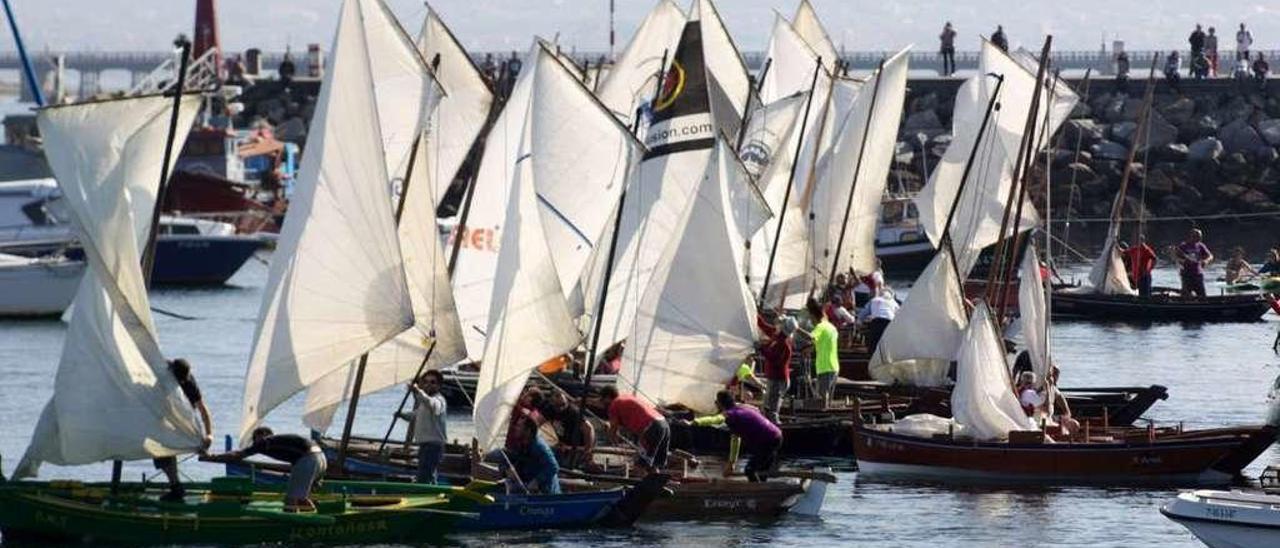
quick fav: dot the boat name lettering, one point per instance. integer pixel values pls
(1221, 513)
(729, 504)
(885, 444)
(1147, 460)
(537, 511)
(328, 531)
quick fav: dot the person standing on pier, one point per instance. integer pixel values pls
(1244, 41)
(1122, 71)
(777, 351)
(948, 50)
(1197, 40)
(429, 408)
(999, 40)
(1260, 69)
(1211, 51)
(1141, 260)
(1193, 255)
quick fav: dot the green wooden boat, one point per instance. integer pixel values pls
(225, 511)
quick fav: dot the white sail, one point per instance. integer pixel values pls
(860, 164)
(773, 146)
(529, 320)
(728, 82)
(791, 63)
(679, 138)
(114, 397)
(477, 263)
(1033, 313)
(809, 27)
(404, 89)
(767, 136)
(1108, 275)
(631, 81)
(462, 111)
(436, 329)
(978, 217)
(918, 346)
(696, 321)
(582, 158)
(336, 288)
(982, 399)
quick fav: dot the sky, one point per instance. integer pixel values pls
(489, 25)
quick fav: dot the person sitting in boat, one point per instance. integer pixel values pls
(777, 348)
(826, 355)
(611, 362)
(306, 463)
(576, 435)
(1272, 266)
(1237, 267)
(1140, 260)
(181, 370)
(752, 433)
(526, 459)
(429, 430)
(1030, 398)
(1193, 255)
(641, 420)
(837, 312)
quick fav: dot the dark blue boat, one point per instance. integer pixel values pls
(201, 260)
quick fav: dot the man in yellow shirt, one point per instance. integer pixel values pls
(826, 357)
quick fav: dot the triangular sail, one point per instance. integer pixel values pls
(696, 320)
(809, 27)
(982, 399)
(863, 150)
(771, 145)
(113, 395)
(630, 82)
(1033, 314)
(679, 140)
(404, 89)
(336, 287)
(529, 320)
(791, 63)
(462, 112)
(1108, 275)
(918, 346)
(477, 264)
(582, 159)
(728, 77)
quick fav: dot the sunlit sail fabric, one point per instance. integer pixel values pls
(918, 346)
(462, 111)
(982, 399)
(728, 77)
(631, 81)
(771, 146)
(860, 164)
(791, 63)
(696, 321)
(114, 397)
(529, 320)
(809, 27)
(336, 287)
(1033, 314)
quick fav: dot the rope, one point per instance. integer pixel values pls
(1174, 218)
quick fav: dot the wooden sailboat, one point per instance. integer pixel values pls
(1109, 295)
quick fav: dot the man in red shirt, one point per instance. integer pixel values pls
(643, 421)
(776, 350)
(1142, 260)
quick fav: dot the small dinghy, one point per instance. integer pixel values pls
(37, 287)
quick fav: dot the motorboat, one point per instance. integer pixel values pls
(1230, 519)
(32, 287)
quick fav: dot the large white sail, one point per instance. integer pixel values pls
(462, 111)
(860, 165)
(772, 145)
(336, 288)
(791, 63)
(1033, 313)
(918, 346)
(529, 320)
(631, 81)
(404, 89)
(696, 321)
(582, 157)
(809, 27)
(982, 399)
(114, 397)
(473, 275)
(978, 217)
(767, 138)
(728, 82)
(679, 140)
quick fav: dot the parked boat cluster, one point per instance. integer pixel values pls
(642, 229)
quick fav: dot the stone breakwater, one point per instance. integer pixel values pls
(1211, 148)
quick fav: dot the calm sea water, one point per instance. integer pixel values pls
(1216, 374)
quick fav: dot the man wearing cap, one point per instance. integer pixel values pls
(776, 351)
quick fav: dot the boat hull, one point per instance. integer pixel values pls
(46, 512)
(201, 260)
(38, 289)
(1159, 308)
(1210, 457)
(1226, 523)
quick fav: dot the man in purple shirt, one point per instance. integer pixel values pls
(759, 437)
(1193, 256)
